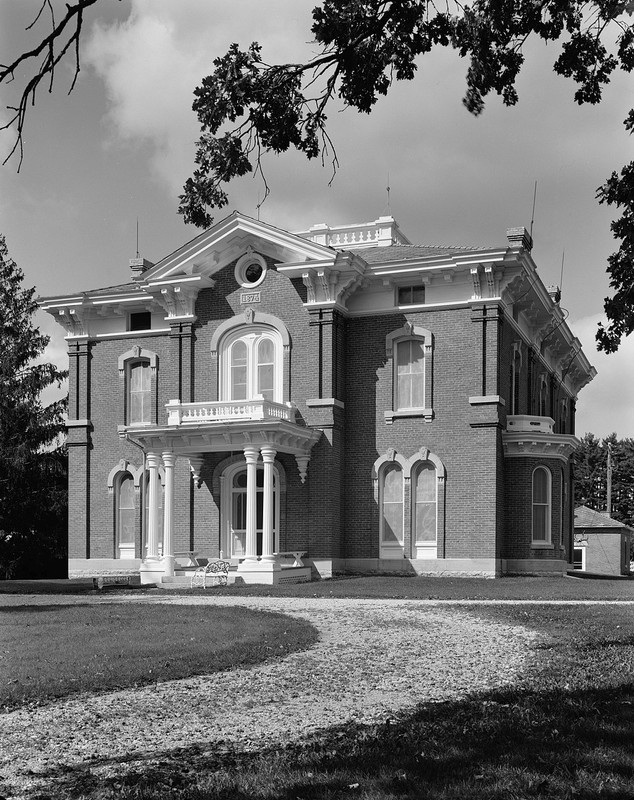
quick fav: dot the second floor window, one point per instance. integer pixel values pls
(139, 396)
(252, 366)
(410, 374)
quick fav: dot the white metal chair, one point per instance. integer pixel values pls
(215, 572)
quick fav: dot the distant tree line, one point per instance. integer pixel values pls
(591, 475)
(33, 460)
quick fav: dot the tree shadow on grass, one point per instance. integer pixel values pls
(500, 744)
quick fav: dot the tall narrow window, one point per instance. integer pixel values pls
(410, 374)
(139, 396)
(516, 369)
(392, 505)
(265, 357)
(238, 370)
(252, 365)
(541, 506)
(425, 509)
(125, 516)
(543, 397)
(411, 351)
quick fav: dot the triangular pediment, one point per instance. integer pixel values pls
(229, 239)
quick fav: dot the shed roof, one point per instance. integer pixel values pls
(589, 518)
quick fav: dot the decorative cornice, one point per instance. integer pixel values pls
(526, 444)
(285, 437)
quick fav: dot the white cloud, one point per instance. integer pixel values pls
(606, 404)
(152, 61)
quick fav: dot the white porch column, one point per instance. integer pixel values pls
(152, 463)
(169, 460)
(152, 568)
(251, 455)
(268, 456)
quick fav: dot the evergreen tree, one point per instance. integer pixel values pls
(32, 457)
(591, 471)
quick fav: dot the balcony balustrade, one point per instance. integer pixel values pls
(526, 423)
(228, 411)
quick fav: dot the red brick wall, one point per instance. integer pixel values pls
(471, 455)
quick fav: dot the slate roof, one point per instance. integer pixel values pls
(401, 252)
(589, 518)
(122, 288)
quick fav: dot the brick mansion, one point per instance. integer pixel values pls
(365, 403)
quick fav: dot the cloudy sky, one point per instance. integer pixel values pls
(121, 146)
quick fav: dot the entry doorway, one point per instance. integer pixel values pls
(234, 510)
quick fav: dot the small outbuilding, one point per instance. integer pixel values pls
(601, 544)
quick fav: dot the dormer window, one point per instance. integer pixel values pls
(411, 295)
(140, 321)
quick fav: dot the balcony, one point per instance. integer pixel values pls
(534, 437)
(526, 423)
(224, 411)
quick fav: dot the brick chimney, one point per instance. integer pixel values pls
(138, 267)
(520, 238)
(555, 293)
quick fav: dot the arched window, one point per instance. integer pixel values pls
(425, 510)
(391, 501)
(251, 365)
(125, 516)
(542, 481)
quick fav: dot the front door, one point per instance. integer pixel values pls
(235, 511)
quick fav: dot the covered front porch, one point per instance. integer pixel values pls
(257, 430)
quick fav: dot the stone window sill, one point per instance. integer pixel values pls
(426, 413)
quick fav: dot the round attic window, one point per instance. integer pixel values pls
(250, 270)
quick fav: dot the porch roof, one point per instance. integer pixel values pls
(223, 436)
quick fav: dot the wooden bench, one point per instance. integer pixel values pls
(190, 555)
(99, 581)
(216, 572)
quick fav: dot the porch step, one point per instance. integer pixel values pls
(185, 581)
(183, 578)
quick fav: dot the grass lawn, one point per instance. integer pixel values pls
(566, 588)
(54, 651)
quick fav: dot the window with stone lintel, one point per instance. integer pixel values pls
(410, 350)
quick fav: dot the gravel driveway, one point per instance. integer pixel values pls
(374, 657)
